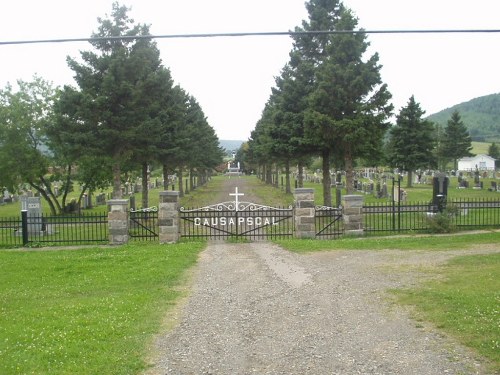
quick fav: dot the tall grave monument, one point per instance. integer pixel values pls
(440, 184)
(33, 205)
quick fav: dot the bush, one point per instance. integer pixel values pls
(443, 222)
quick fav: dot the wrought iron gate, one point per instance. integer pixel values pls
(237, 220)
(329, 222)
(144, 224)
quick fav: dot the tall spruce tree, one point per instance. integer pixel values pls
(348, 108)
(456, 142)
(411, 141)
(110, 80)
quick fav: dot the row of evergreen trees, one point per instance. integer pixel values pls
(124, 115)
(330, 101)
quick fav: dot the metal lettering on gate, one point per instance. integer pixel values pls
(236, 219)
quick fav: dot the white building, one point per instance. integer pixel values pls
(481, 162)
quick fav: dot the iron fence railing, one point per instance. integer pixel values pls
(60, 230)
(328, 222)
(144, 224)
(398, 217)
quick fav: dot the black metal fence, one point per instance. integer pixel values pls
(61, 230)
(11, 231)
(328, 222)
(144, 224)
(398, 217)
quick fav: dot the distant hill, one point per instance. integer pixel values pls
(230, 146)
(480, 115)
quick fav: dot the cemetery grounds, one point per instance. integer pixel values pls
(348, 306)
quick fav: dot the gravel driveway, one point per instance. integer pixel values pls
(258, 309)
(255, 308)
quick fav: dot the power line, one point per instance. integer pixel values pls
(244, 34)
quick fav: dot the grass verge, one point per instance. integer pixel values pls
(88, 311)
(420, 242)
(464, 302)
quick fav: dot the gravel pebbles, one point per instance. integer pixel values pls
(255, 308)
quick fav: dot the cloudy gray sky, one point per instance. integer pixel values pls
(232, 77)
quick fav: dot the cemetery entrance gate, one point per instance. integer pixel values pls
(235, 219)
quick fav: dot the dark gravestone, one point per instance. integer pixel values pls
(440, 184)
(132, 202)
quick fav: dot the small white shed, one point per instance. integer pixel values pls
(481, 162)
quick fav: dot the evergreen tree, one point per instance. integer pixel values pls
(348, 110)
(411, 141)
(110, 80)
(456, 142)
(494, 152)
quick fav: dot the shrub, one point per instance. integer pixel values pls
(443, 222)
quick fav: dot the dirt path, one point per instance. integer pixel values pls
(255, 308)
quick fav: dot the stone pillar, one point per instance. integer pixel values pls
(118, 221)
(353, 215)
(304, 213)
(168, 216)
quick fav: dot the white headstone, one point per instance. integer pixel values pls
(33, 205)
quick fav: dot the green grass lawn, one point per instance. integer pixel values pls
(465, 302)
(87, 311)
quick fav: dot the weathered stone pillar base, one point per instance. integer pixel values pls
(304, 213)
(118, 221)
(168, 217)
(353, 215)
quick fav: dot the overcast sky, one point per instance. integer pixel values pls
(232, 77)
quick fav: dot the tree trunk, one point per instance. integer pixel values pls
(67, 187)
(301, 175)
(269, 174)
(191, 179)
(288, 187)
(349, 170)
(165, 178)
(45, 196)
(181, 184)
(50, 194)
(117, 182)
(410, 179)
(145, 186)
(327, 180)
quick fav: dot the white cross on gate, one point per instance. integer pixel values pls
(236, 195)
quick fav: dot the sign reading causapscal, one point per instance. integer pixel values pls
(233, 221)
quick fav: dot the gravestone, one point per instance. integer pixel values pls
(397, 193)
(338, 178)
(440, 184)
(33, 206)
(384, 191)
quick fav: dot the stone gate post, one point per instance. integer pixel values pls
(353, 214)
(168, 216)
(304, 213)
(118, 221)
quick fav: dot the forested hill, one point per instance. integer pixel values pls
(230, 146)
(480, 115)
